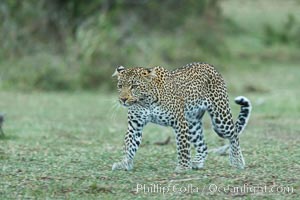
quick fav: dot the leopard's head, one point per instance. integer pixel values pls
(135, 85)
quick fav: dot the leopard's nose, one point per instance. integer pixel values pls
(124, 99)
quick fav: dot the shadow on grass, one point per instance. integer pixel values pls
(8, 137)
(95, 189)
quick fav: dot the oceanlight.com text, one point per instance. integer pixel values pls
(213, 189)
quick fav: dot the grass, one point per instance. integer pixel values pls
(62, 145)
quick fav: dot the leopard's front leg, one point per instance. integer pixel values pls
(132, 141)
(183, 145)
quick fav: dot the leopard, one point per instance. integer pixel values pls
(179, 98)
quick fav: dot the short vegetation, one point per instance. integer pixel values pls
(63, 127)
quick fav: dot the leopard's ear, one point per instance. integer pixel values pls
(149, 73)
(118, 71)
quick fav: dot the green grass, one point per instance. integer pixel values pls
(252, 15)
(62, 145)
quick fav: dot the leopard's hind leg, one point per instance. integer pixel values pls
(197, 139)
(224, 126)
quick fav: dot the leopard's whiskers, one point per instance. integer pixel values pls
(113, 111)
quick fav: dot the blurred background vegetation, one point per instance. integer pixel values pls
(75, 44)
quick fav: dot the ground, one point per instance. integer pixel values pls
(62, 145)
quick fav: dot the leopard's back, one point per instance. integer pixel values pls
(198, 82)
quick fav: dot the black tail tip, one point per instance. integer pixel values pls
(243, 101)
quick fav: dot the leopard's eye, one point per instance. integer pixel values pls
(119, 86)
(133, 86)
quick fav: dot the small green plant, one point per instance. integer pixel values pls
(286, 34)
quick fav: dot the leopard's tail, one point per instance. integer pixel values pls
(244, 114)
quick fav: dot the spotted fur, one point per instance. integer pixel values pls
(179, 99)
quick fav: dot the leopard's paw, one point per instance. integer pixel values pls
(197, 165)
(181, 168)
(237, 160)
(123, 165)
